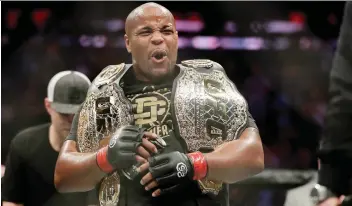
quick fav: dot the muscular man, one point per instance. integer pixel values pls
(30, 165)
(167, 133)
(335, 173)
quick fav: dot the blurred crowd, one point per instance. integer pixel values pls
(287, 99)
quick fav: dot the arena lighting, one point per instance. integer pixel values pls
(99, 41)
(85, 41)
(191, 26)
(231, 43)
(40, 17)
(191, 22)
(297, 17)
(230, 27)
(112, 25)
(283, 27)
(12, 18)
(184, 42)
(252, 43)
(195, 26)
(116, 25)
(205, 42)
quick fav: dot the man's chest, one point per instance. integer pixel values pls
(152, 110)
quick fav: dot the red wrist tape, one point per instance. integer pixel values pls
(200, 165)
(102, 160)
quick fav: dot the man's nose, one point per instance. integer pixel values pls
(157, 38)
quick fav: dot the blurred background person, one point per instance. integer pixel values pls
(30, 165)
(335, 152)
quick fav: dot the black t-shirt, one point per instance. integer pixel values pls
(29, 175)
(152, 110)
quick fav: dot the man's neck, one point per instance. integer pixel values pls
(54, 139)
(149, 80)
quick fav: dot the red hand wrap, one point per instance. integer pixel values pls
(200, 165)
(102, 160)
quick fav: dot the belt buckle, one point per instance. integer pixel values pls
(109, 190)
(210, 186)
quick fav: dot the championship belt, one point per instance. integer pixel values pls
(208, 108)
(105, 110)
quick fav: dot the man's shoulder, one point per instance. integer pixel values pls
(30, 135)
(109, 74)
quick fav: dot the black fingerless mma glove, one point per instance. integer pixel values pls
(122, 148)
(174, 169)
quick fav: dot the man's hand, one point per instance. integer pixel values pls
(332, 201)
(168, 172)
(127, 146)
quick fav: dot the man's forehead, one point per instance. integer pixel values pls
(152, 20)
(149, 14)
(152, 14)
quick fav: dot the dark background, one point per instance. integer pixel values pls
(286, 89)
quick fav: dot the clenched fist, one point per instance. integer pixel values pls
(129, 145)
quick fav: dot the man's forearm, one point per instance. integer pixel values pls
(238, 159)
(77, 172)
(4, 203)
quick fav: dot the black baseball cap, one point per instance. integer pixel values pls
(67, 90)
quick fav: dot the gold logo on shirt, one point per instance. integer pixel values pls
(151, 111)
(148, 109)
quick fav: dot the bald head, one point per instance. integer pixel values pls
(152, 40)
(141, 11)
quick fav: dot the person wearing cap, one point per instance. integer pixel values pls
(30, 164)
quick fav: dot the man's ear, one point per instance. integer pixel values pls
(47, 105)
(127, 43)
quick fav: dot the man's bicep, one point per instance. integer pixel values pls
(13, 182)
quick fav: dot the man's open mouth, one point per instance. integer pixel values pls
(159, 54)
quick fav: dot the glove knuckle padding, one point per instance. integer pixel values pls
(123, 146)
(166, 180)
(170, 168)
(159, 165)
(159, 160)
(170, 189)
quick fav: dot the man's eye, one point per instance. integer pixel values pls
(168, 32)
(145, 33)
